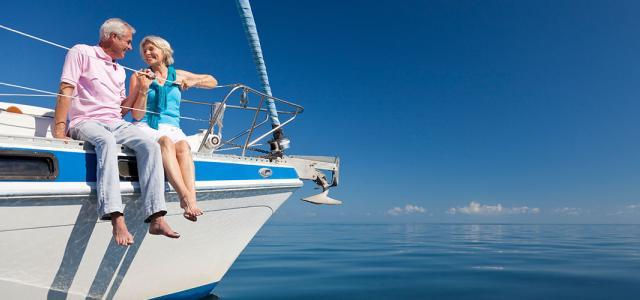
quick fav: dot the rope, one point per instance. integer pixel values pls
(52, 94)
(25, 95)
(69, 49)
(93, 57)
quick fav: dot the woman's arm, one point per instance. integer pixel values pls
(138, 87)
(188, 80)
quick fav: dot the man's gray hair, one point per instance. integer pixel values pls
(114, 25)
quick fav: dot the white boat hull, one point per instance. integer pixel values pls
(53, 245)
(57, 248)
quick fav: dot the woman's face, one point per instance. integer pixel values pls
(152, 54)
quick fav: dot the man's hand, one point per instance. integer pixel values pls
(59, 130)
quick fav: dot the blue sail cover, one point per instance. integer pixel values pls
(250, 29)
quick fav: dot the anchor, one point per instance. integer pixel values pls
(311, 168)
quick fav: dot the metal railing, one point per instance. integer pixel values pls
(216, 109)
(292, 110)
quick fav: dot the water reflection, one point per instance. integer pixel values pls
(437, 261)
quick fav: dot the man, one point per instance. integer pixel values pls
(93, 87)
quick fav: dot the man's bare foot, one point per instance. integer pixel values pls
(120, 232)
(158, 226)
(191, 210)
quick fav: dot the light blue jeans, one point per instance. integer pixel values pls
(105, 138)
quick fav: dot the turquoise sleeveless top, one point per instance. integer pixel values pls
(164, 99)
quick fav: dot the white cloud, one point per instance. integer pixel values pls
(631, 209)
(395, 211)
(406, 210)
(475, 208)
(414, 209)
(523, 210)
(569, 211)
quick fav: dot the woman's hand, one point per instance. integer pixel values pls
(187, 83)
(145, 77)
(188, 80)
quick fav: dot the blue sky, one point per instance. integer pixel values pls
(442, 111)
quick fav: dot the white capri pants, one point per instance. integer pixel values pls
(172, 132)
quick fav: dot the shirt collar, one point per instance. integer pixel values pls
(100, 53)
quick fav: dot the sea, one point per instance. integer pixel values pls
(437, 261)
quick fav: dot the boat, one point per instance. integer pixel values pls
(54, 245)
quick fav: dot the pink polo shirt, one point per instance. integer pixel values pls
(96, 79)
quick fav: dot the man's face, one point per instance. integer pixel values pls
(121, 44)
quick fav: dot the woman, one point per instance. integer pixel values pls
(161, 99)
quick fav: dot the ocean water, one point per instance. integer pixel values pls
(437, 261)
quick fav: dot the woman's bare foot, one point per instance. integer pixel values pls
(120, 232)
(158, 226)
(191, 210)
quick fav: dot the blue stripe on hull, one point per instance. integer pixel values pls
(81, 167)
(228, 171)
(194, 293)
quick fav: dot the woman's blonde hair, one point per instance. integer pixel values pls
(162, 44)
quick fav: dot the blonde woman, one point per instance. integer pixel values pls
(160, 97)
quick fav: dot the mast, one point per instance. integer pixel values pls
(279, 142)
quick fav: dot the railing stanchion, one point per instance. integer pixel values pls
(253, 124)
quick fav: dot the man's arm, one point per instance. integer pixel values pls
(71, 72)
(131, 99)
(62, 109)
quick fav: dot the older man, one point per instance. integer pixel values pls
(93, 87)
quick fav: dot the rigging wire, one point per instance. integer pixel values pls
(52, 94)
(69, 49)
(92, 57)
